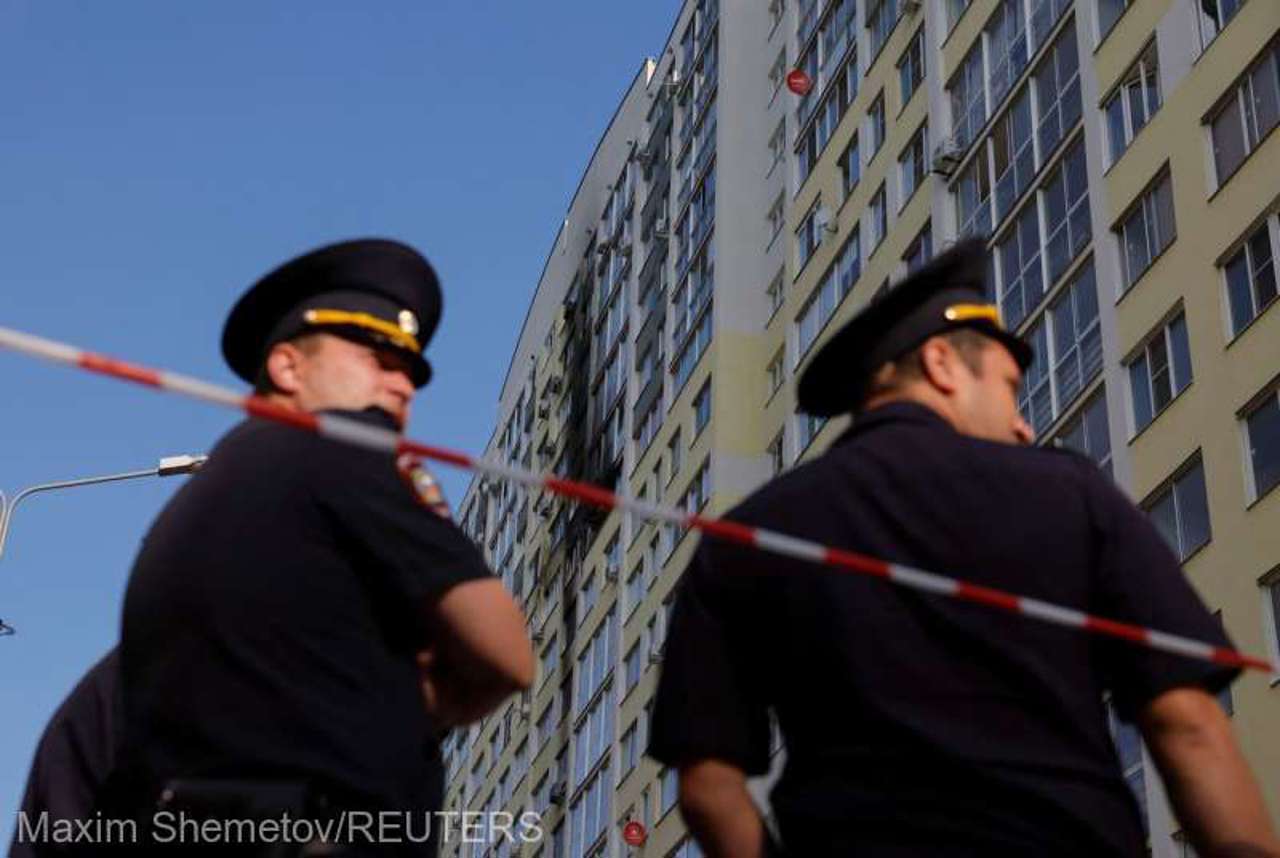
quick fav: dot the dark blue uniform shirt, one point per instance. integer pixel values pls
(272, 618)
(914, 724)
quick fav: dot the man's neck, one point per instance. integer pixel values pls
(927, 398)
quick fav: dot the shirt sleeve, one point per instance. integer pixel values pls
(709, 705)
(1140, 581)
(412, 549)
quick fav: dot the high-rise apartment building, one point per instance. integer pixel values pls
(1116, 154)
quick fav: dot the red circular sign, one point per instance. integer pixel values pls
(633, 833)
(799, 82)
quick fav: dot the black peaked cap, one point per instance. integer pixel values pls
(898, 321)
(372, 290)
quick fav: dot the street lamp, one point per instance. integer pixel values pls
(169, 466)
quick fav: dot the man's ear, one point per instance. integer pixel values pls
(284, 367)
(940, 364)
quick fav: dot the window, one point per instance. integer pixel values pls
(586, 595)
(1057, 82)
(1089, 433)
(1160, 372)
(1247, 115)
(912, 164)
(670, 783)
(775, 218)
(1251, 278)
(1134, 102)
(777, 372)
(630, 750)
(677, 455)
(881, 17)
(1021, 276)
(777, 454)
(633, 668)
(1212, 16)
(911, 67)
(968, 97)
(590, 814)
(1262, 437)
(955, 8)
(1035, 400)
(836, 283)
(1147, 231)
(1007, 41)
(1077, 337)
(702, 408)
(1180, 511)
(973, 199)
(875, 117)
(777, 144)
(1014, 154)
(699, 491)
(807, 236)
(1066, 211)
(550, 659)
(878, 217)
(692, 351)
(920, 250)
(809, 427)
(1272, 590)
(776, 292)
(850, 166)
(1128, 742)
(635, 587)
(1109, 11)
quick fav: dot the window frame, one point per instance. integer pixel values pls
(1142, 352)
(1169, 487)
(1270, 395)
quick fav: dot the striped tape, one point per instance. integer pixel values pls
(385, 440)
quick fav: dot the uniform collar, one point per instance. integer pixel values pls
(895, 413)
(371, 416)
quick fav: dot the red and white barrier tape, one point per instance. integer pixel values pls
(377, 438)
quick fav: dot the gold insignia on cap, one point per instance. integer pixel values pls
(965, 312)
(395, 334)
(408, 323)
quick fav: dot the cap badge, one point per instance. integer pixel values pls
(408, 323)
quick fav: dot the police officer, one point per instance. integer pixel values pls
(302, 621)
(913, 724)
(76, 753)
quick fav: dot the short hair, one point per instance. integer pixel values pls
(892, 375)
(263, 385)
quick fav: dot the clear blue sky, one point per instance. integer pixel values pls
(156, 157)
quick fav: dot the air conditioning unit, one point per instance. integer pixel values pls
(946, 156)
(611, 573)
(660, 227)
(536, 636)
(544, 412)
(910, 7)
(559, 791)
(554, 384)
(823, 221)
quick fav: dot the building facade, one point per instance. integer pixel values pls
(1117, 156)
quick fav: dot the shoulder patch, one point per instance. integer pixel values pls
(426, 489)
